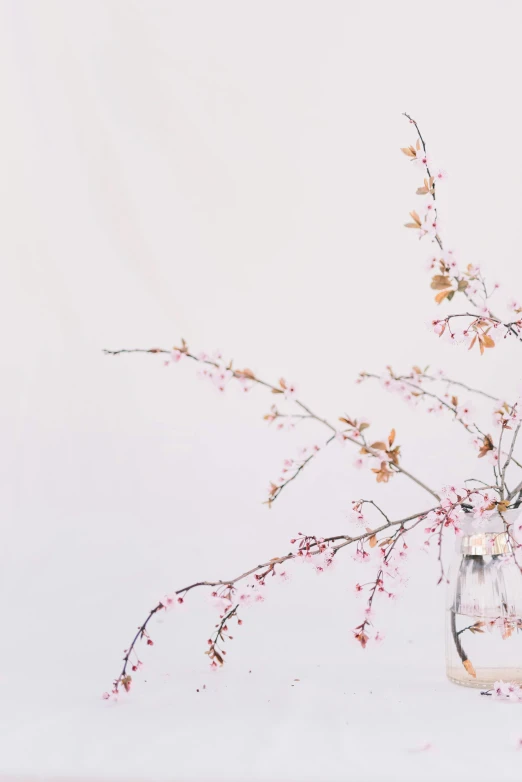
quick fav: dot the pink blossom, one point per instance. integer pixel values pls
(453, 492)
(286, 424)
(290, 392)
(357, 516)
(448, 256)
(246, 384)
(464, 412)
(379, 637)
(430, 226)
(438, 326)
(169, 601)
(493, 456)
(359, 463)
(175, 356)
(106, 696)
(410, 399)
(440, 175)
(221, 377)
(361, 555)
(340, 438)
(221, 604)
(421, 158)
(480, 514)
(205, 371)
(388, 382)
(509, 691)
(429, 207)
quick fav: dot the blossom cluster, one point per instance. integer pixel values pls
(506, 691)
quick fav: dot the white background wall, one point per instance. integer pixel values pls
(228, 172)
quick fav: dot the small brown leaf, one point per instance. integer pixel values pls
(442, 295)
(372, 541)
(408, 151)
(440, 282)
(245, 373)
(379, 446)
(487, 445)
(422, 191)
(126, 681)
(391, 437)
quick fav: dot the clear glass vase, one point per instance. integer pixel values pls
(484, 608)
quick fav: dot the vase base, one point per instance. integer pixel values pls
(486, 677)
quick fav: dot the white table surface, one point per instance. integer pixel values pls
(336, 723)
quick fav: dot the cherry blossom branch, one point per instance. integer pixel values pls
(450, 382)
(306, 548)
(246, 376)
(410, 386)
(470, 282)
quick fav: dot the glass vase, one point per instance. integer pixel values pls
(484, 608)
